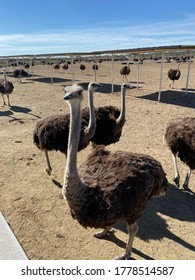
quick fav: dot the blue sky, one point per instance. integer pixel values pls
(59, 26)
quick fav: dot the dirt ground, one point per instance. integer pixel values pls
(30, 200)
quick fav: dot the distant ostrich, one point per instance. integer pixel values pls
(95, 67)
(50, 133)
(65, 66)
(124, 71)
(180, 138)
(27, 66)
(56, 66)
(110, 121)
(20, 73)
(109, 186)
(6, 88)
(173, 75)
(82, 67)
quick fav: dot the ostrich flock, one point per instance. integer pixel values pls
(108, 186)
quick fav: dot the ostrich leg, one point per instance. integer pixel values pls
(132, 230)
(49, 169)
(8, 100)
(126, 79)
(3, 100)
(177, 177)
(186, 182)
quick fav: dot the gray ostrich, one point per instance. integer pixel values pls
(50, 133)
(173, 75)
(180, 138)
(109, 186)
(6, 88)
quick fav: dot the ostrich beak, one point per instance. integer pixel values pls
(68, 96)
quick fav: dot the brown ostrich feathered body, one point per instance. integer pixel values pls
(125, 70)
(52, 132)
(105, 133)
(180, 138)
(115, 186)
(20, 73)
(174, 74)
(6, 87)
(82, 67)
(65, 66)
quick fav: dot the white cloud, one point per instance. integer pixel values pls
(102, 38)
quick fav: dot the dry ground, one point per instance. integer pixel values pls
(30, 199)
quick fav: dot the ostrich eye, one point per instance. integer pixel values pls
(80, 92)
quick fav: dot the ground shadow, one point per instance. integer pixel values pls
(48, 80)
(113, 238)
(24, 110)
(57, 184)
(173, 97)
(9, 114)
(6, 113)
(189, 89)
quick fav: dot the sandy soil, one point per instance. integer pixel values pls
(30, 199)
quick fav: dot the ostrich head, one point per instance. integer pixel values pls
(93, 86)
(126, 86)
(4, 73)
(73, 93)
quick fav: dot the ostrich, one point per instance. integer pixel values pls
(109, 186)
(27, 66)
(20, 73)
(174, 74)
(110, 121)
(56, 66)
(6, 87)
(82, 68)
(50, 133)
(125, 70)
(180, 138)
(65, 66)
(95, 67)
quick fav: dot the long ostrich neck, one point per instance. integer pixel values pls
(178, 68)
(71, 171)
(73, 140)
(90, 130)
(5, 78)
(178, 71)
(121, 119)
